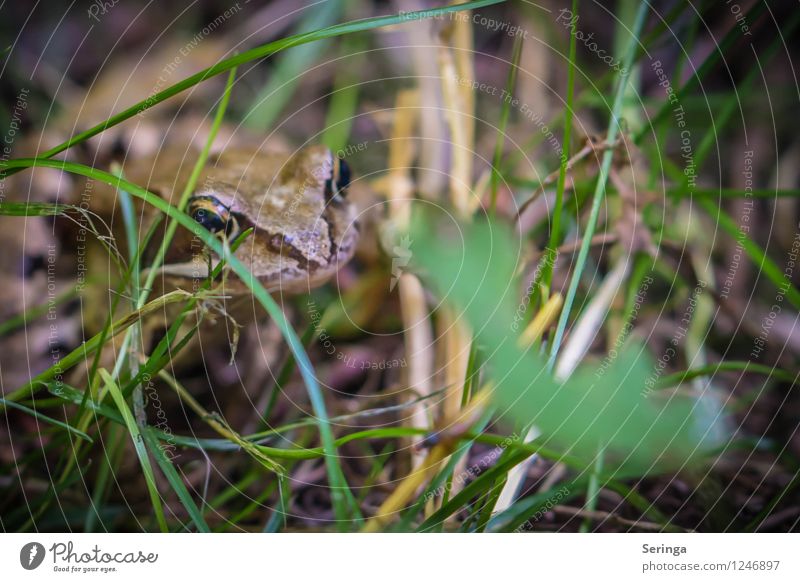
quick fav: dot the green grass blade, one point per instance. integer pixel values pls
(518, 516)
(115, 446)
(252, 55)
(724, 46)
(75, 396)
(176, 482)
(599, 193)
(505, 112)
(165, 350)
(686, 192)
(190, 185)
(756, 254)
(47, 419)
(733, 101)
(291, 66)
(545, 274)
(713, 369)
(33, 209)
(22, 319)
(344, 99)
(80, 353)
(139, 445)
(479, 486)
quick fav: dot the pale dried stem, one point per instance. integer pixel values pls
(455, 64)
(533, 333)
(419, 351)
(591, 320)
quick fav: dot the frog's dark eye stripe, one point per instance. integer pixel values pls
(341, 172)
(339, 180)
(213, 215)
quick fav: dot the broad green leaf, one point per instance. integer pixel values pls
(642, 430)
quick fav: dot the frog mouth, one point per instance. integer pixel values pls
(201, 261)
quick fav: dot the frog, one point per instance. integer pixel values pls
(303, 226)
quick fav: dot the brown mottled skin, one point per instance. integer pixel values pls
(301, 236)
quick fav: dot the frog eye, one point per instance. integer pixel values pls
(212, 215)
(339, 180)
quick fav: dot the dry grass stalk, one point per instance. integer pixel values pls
(457, 340)
(399, 190)
(449, 433)
(544, 319)
(419, 350)
(455, 64)
(398, 186)
(591, 320)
